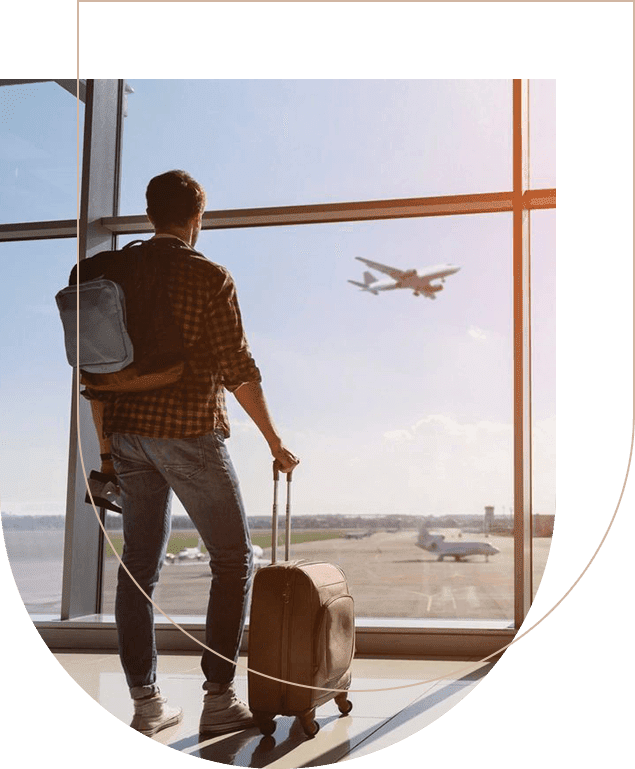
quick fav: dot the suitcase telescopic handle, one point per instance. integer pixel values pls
(274, 522)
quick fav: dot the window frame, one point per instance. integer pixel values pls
(81, 624)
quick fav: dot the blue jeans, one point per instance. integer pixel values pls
(200, 472)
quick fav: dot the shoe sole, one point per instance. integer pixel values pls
(164, 725)
(231, 727)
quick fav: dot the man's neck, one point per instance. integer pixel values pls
(183, 238)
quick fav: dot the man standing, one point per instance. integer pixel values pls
(173, 439)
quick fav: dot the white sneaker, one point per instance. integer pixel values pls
(224, 712)
(151, 714)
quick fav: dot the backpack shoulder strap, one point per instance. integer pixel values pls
(134, 243)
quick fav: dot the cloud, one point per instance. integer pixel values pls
(398, 435)
(440, 464)
(440, 425)
(477, 333)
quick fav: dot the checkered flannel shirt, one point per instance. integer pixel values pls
(205, 305)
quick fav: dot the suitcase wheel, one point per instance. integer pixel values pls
(266, 724)
(309, 724)
(343, 703)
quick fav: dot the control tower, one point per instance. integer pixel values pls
(488, 520)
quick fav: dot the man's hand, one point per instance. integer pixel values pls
(285, 461)
(107, 467)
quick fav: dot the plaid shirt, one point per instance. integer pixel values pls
(205, 306)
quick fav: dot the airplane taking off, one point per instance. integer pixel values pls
(434, 543)
(419, 283)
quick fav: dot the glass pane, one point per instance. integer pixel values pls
(284, 142)
(38, 150)
(542, 134)
(35, 417)
(399, 406)
(543, 331)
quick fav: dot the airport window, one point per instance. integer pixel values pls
(35, 418)
(543, 296)
(296, 262)
(293, 142)
(38, 188)
(38, 148)
(542, 133)
(399, 405)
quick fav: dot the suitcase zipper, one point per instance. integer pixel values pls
(286, 646)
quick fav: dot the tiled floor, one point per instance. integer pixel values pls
(393, 711)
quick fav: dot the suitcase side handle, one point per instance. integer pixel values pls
(274, 522)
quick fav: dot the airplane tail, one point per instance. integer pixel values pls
(428, 541)
(369, 278)
(364, 286)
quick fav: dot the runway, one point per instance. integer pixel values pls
(388, 575)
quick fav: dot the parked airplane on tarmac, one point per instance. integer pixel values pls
(434, 543)
(196, 554)
(418, 282)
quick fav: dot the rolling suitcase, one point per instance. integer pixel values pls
(301, 630)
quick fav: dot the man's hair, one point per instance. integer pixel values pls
(174, 198)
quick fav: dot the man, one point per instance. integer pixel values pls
(173, 439)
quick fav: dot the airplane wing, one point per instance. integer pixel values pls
(392, 271)
(431, 273)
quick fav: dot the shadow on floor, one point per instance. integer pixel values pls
(250, 749)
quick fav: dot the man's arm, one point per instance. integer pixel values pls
(239, 373)
(104, 443)
(252, 399)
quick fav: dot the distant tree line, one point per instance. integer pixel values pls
(328, 521)
(32, 522)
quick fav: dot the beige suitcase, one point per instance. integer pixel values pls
(302, 631)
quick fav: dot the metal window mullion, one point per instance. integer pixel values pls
(523, 571)
(316, 214)
(81, 593)
(450, 205)
(62, 228)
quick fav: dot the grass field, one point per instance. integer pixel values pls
(181, 539)
(297, 537)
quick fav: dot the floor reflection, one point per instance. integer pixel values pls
(392, 699)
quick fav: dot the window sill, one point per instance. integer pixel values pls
(423, 639)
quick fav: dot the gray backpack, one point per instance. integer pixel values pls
(104, 343)
(129, 340)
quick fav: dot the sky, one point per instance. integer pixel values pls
(396, 403)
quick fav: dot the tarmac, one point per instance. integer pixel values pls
(388, 576)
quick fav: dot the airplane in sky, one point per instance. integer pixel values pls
(418, 282)
(434, 543)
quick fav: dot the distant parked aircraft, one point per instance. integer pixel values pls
(434, 543)
(259, 557)
(196, 554)
(418, 282)
(188, 554)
